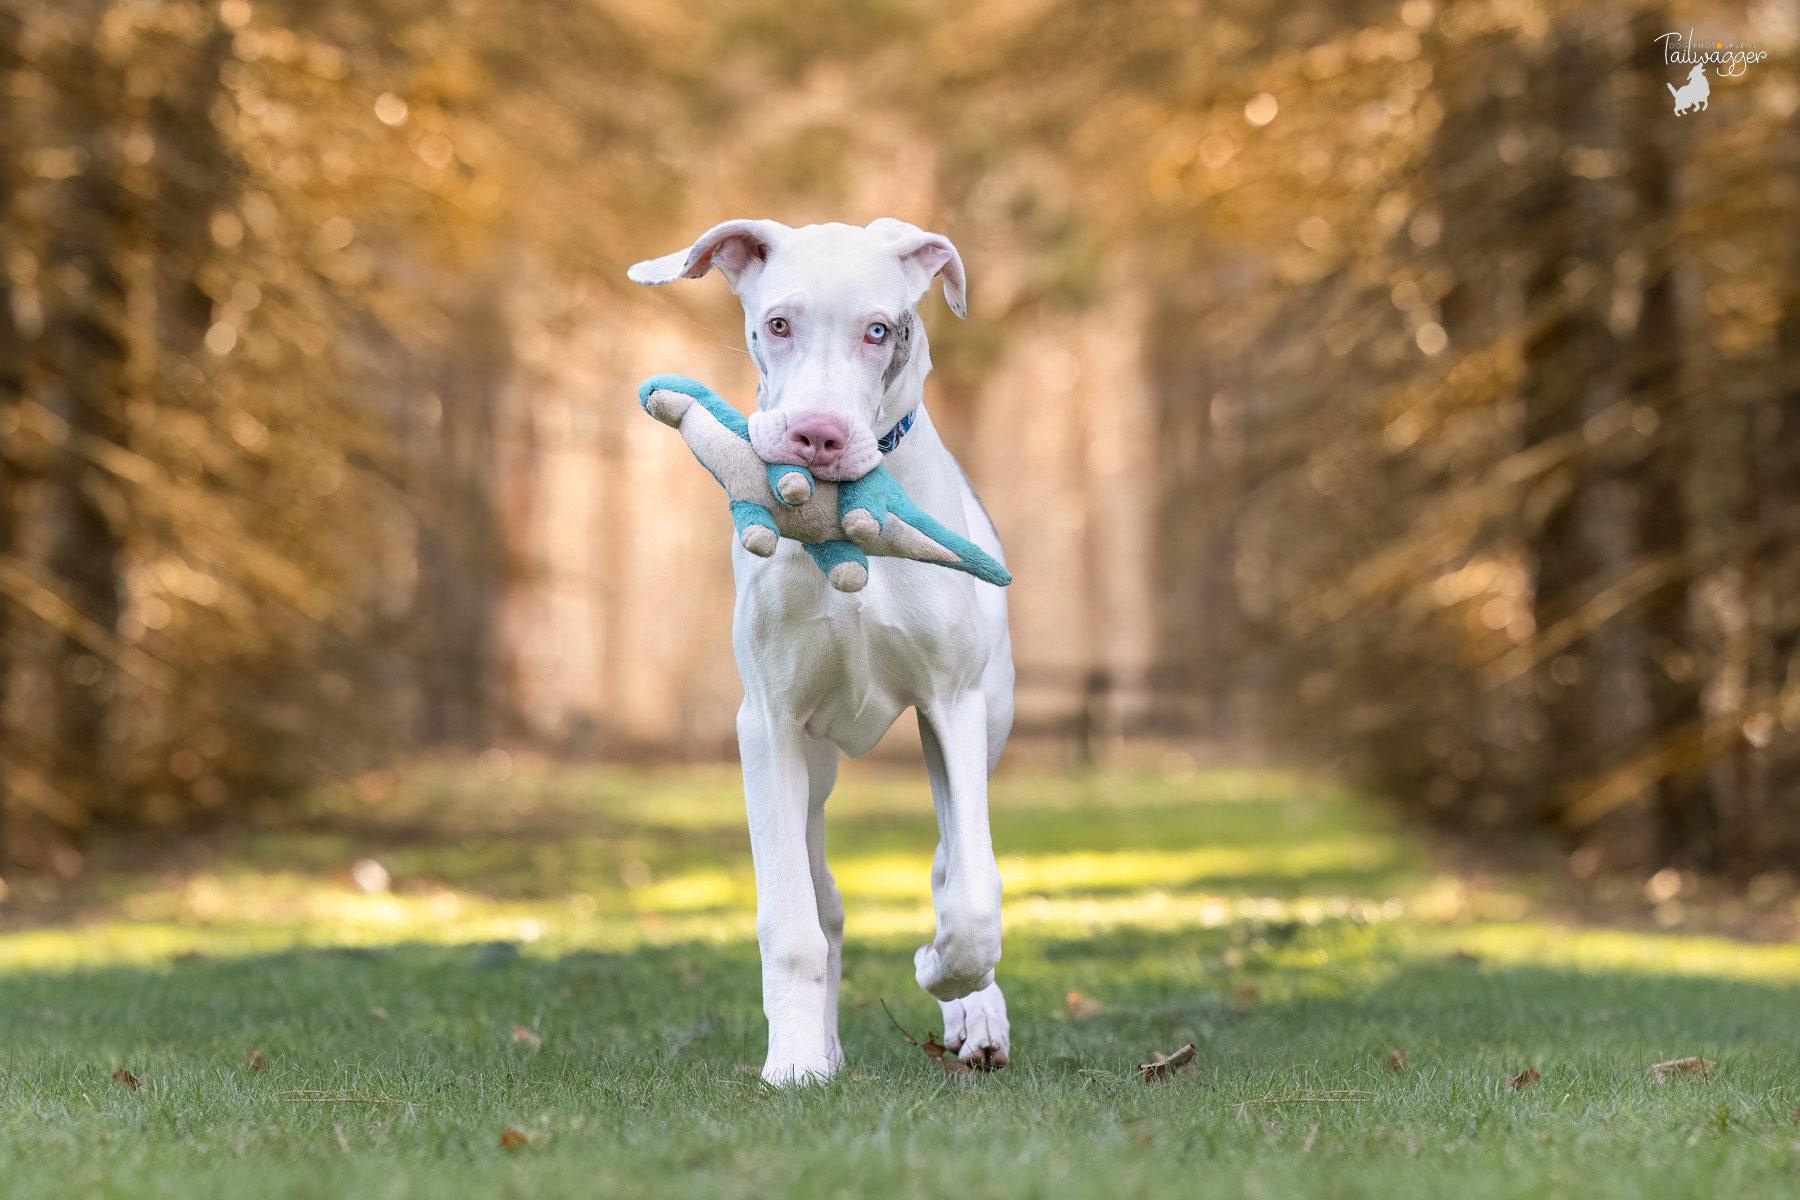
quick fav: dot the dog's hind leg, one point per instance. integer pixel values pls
(821, 773)
(795, 953)
(957, 967)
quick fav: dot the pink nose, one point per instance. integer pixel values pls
(817, 438)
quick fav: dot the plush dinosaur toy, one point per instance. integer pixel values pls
(838, 524)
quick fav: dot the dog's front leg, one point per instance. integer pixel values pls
(821, 768)
(795, 956)
(965, 880)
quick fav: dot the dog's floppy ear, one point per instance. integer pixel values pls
(734, 247)
(925, 256)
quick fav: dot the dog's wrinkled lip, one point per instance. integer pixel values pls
(830, 474)
(859, 457)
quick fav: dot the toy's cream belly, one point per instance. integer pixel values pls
(847, 665)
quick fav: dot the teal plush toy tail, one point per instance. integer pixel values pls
(879, 516)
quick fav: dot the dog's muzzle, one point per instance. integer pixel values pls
(824, 443)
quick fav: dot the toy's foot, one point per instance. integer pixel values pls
(862, 528)
(759, 540)
(792, 485)
(668, 407)
(843, 564)
(849, 576)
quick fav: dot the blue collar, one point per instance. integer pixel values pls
(892, 437)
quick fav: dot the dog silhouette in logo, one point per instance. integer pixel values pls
(1692, 95)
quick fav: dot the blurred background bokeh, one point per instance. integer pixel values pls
(1398, 391)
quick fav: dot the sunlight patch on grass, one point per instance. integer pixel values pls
(894, 876)
(1528, 943)
(696, 891)
(538, 928)
(334, 918)
(1335, 862)
(1166, 868)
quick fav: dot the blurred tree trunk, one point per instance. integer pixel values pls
(193, 173)
(1572, 363)
(1654, 360)
(1775, 610)
(461, 561)
(1197, 469)
(82, 371)
(12, 390)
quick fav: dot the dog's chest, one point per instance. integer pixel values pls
(848, 665)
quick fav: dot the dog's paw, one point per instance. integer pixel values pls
(977, 1029)
(790, 1070)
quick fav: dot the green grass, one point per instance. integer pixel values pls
(1291, 934)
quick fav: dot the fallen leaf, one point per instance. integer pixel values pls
(127, 1080)
(1795, 1114)
(257, 1062)
(1166, 1065)
(1082, 1007)
(1248, 992)
(935, 1050)
(1396, 1062)
(524, 1037)
(1682, 1068)
(512, 1139)
(343, 1142)
(1524, 1079)
(1313, 1136)
(380, 1014)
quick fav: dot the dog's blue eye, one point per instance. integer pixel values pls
(877, 333)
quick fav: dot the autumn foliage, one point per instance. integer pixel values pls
(1471, 461)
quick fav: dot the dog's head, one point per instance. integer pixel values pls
(829, 317)
(1699, 72)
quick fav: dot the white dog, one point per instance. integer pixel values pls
(1693, 93)
(841, 358)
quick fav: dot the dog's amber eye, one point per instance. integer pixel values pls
(778, 326)
(876, 335)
